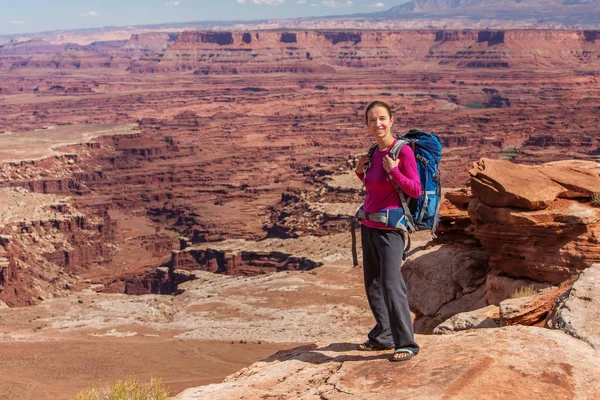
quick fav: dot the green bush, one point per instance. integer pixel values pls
(130, 389)
(509, 153)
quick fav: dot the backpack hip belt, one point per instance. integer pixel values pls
(384, 218)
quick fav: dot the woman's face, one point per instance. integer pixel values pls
(379, 122)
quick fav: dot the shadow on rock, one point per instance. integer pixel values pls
(314, 354)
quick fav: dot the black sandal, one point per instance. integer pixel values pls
(371, 346)
(409, 354)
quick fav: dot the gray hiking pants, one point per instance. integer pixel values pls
(386, 291)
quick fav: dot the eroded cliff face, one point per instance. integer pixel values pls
(313, 51)
(153, 189)
(46, 243)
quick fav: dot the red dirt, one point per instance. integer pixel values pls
(55, 370)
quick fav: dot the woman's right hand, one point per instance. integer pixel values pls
(362, 160)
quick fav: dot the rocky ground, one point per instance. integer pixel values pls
(504, 363)
(218, 325)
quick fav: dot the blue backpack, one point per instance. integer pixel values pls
(415, 214)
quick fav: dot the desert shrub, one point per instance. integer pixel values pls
(476, 104)
(523, 291)
(596, 199)
(509, 153)
(129, 389)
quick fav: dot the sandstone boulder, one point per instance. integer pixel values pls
(579, 316)
(443, 281)
(582, 181)
(429, 281)
(529, 310)
(487, 317)
(504, 363)
(500, 183)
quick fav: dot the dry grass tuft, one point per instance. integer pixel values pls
(596, 199)
(523, 291)
(130, 389)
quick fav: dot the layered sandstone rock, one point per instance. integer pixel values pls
(526, 229)
(536, 233)
(581, 179)
(529, 310)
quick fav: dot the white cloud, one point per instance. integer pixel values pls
(17, 22)
(337, 4)
(301, 2)
(90, 14)
(377, 5)
(173, 3)
(267, 2)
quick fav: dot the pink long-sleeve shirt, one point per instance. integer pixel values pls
(381, 194)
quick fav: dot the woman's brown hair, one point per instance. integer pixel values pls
(377, 104)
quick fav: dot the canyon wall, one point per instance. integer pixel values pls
(318, 52)
(312, 51)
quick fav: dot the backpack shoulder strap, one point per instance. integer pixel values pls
(372, 149)
(370, 153)
(395, 150)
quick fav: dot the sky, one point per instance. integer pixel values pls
(27, 16)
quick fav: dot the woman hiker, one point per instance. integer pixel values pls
(383, 247)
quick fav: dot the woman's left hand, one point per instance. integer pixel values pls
(389, 164)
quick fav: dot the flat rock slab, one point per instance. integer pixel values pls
(582, 181)
(505, 363)
(500, 183)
